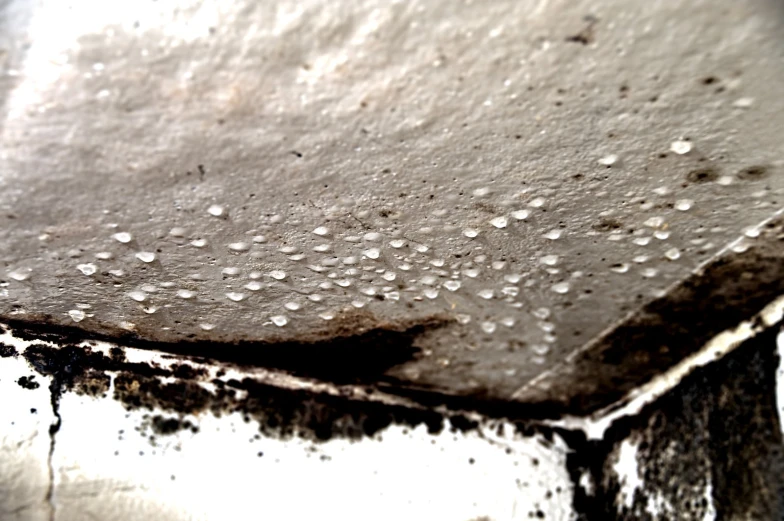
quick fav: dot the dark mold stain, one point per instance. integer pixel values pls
(754, 173)
(588, 33)
(7, 351)
(703, 175)
(28, 382)
(163, 426)
(719, 426)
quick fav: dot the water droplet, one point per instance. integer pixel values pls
(662, 190)
(372, 253)
(661, 234)
(462, 318)
(296, 258)
(279, 320)
(150, 309)
(500, 222)
(510, 291)
(253, 285)
(549, 260)
(327, 315)
(392, 295)
(452, 285)
(649, 272)
(87, 269)
(743, 103)
(481, 192)
(206, 326)
(343, 283)
(680, 147)
(725, 180)
(470, 233)
(186, 293)
(684, 204)
(560, 287)
(145, 256)
(277, 274)
(123, 237)
(321, 231)
(117, 273)
(138, 296)
(178, 232)
(672, 254)
(216, 210)
(508, 321)
(428, 280)
(372, 236)
(431, 293)
(608, 160)
(639, 259)
(471, 272)
(199, 243)
(486, 294)
(488, 327)
(513, 278)
(349, 261)
(397, 243)
(76, 315)
(553, 235)
(239, 247)
(292, 306)
(521, 215)
(642, 241)
(620, 268)
(752, 233)
(235, 296)
(537, 202)
(654, 222)
(540, 349)
(359, 303)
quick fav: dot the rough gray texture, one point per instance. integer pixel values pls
(423, 123)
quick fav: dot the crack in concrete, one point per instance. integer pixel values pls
(55, 389)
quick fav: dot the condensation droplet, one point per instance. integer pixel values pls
(277, 274)
(471, 272)
(279, 320)
(639, 259)
(470, 233)
(216, 210)
(560, 287)
(138, 296)
(292, 306)
(537, 202)
(661, 234)
(462, 318)
(649, 273)
(553, 235)
(752, 233)
(178, 232)
(88, 269)
(206, 326)
(145, 256)
(508, 321)
(683, 205)
(77, 315)
(549, 260)
(239, 247)
(743, 103)
(123, 237)
(642, 241)
(327, 315)
(672, 254)
(620, 268)
(104, 255)
(680, 147)
(488, 327)
(253, 285)
(235, 296)
(321, 231)
(397, 243)
(654, 222)
(499, 222)
(199, 243)
(486, 294)
(608, 160)
(186, 293)
(513, 278)
(431, 293)
(372, 236)
(452, 285)
(521, 215)
(372, 253)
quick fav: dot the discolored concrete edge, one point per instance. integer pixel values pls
(362, 349)
(709, 449)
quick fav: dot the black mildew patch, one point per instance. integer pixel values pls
(7, 351)
(352, 353)
(187, 390)
(717, 431)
